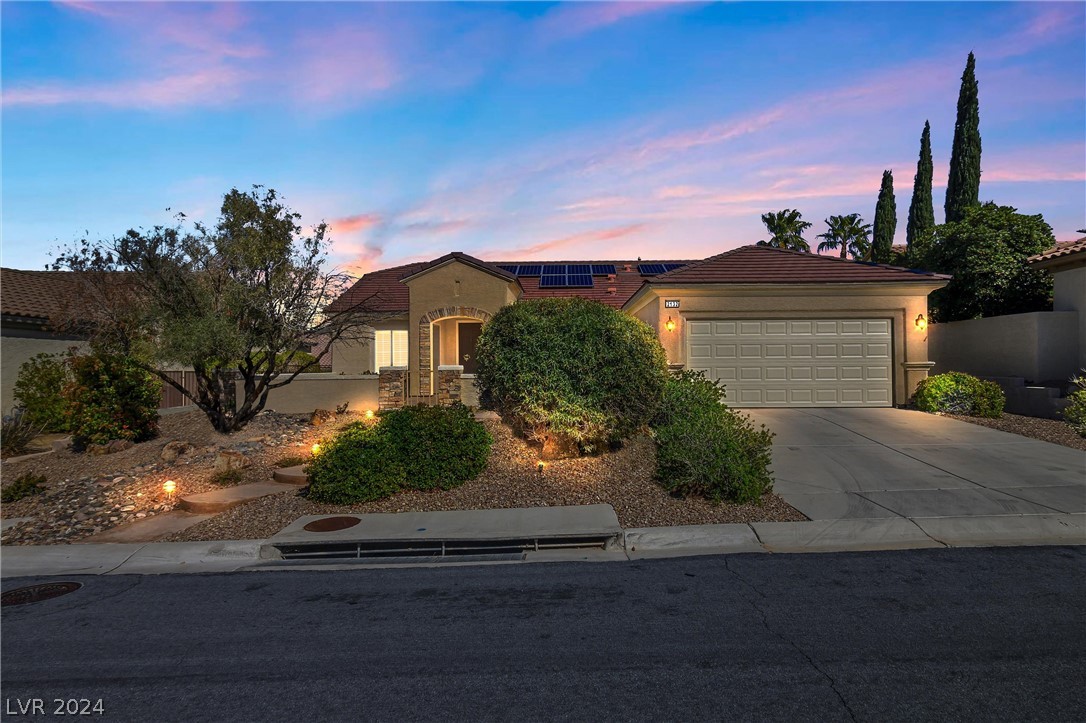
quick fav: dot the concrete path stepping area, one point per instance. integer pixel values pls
(149, 529)
(217, 501)
(291, 475)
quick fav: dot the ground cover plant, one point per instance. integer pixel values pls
(706, 449)
(24, 486)
(960, 393)
(16, 433)
(1075, 412)
(418, 448)
(572, 375)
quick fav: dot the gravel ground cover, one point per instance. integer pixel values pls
(622, 479)
(88, 494)
(1046, 430)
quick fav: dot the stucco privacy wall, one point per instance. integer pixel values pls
(1039, 347)
(454, 289)
(899, 303)
(15, 350)
(322, 391)
(1069, 294)
(358, 358)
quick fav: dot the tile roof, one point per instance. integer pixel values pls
(1061, 250)
(765, 265)
(470, 261)
(383, 291)
(34, 294)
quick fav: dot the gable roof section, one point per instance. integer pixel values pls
(379, 290)
(467, 260)
(1070, 252)
(34, 295)
(766, 265)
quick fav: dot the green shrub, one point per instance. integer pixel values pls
(40, 390)
(959, 393)
(23, 487)
(705, 449)
(571, 371)
(111, 397)
(1075, 412)
(16, 433)
(420, 448)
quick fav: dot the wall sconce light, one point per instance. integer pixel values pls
(921, 323)
(669, 324)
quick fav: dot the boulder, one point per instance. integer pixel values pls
(120, 445)
(227, 460)
(319, 417)
(175, 449)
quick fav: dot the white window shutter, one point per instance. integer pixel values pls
(399, 348)
(382, 349)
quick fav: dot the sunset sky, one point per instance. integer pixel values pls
(527, 130)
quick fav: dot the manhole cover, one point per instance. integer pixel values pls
(331, 524)
(37, 593)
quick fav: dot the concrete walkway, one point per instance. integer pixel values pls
(834, 464)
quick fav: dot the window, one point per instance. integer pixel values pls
(390, 348)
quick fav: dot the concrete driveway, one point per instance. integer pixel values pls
(877, 463)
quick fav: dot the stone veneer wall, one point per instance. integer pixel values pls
(391, 387)
(425, 353)
(449, 384)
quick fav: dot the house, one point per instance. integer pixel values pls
(778, 328)
(1067, 264)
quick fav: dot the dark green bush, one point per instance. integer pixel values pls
(40, 390)
(23, 487)
(572, 371)
(1075, 412)
(705, 449)
(959, 393)
(111, 397)
(419, 448)
(16, 433)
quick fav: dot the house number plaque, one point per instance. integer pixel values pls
(671, 303)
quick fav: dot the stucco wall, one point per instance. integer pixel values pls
(322, 391)
(1069, 294)
(358, 358)
(438, 289)
(1041, 346)
(899, 303)
(16, 350)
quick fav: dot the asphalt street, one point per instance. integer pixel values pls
(945, 634)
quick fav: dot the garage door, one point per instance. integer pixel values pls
(795, 362)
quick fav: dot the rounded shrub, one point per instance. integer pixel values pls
(111, 397)
(1075, 412)
(572, 373)
(960, 393)
(705, 449)
(421, 448)
(39, 388)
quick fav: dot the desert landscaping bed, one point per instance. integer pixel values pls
(622, 479)
(1046, 430)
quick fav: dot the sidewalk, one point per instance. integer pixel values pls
(849, 535)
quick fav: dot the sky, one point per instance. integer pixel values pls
(524, 131)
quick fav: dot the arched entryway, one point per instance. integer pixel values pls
(443, 330)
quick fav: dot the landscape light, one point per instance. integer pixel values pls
(316, 448)
(169, 487)
(540, 466)
(369, 414)
(921, 323)
(669, 324)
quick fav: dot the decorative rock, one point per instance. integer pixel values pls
(175, 449)
(119, 445)
(59, 445)
(319, 417)
(227, 460)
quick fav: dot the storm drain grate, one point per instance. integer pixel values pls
(37, 593)
(434, 548)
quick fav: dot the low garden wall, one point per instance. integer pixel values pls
(322, 391)
(1038, 347)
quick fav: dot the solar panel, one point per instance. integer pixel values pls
(602, 269)
(511, 268)
(552, 281)
(579, 269)
(650, 269)
(549, 269)
(672, 267)
(530, 270)
(579, 280)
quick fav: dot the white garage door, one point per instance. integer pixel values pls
(795, 362)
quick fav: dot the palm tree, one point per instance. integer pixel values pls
(786, 230)
(849, 234)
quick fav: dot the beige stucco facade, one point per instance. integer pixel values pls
(1069, 294)
(358, 357)
(901, 303)
(322, 391)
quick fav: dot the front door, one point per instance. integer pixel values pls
(468, 335)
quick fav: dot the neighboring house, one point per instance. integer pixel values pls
(1031, 355)
(779, 328)
(30, 302)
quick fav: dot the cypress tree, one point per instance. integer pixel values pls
(921, 209)
(885, 221)
(963, 186)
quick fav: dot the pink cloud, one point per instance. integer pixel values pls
(211, 86)
(342, 65)
(354, 224)
(578, 240)
(569, 20)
